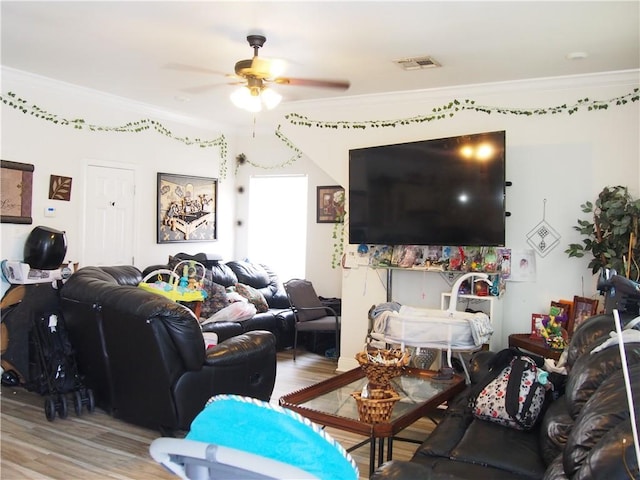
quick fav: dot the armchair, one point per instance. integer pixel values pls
(144, 355)
(310, 314)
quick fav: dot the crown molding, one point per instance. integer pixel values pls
(79, 92)
(605, 79)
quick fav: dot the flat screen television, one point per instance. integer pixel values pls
(446, 191)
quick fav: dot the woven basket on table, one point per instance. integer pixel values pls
(380, 374)
(378, 406)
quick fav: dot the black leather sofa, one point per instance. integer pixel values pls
(584, 434)
(278, 319)
(144, 356)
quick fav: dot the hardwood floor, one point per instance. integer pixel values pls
(97, 446)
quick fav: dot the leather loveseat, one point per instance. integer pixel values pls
(144, 355)
(278, 317)
(584, 434)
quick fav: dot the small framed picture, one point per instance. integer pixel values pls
(583, 308)
(537, 324)
(330, 207)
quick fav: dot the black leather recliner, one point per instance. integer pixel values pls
(144, 355)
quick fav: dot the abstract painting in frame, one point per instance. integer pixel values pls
(187, 208)
(16, 192)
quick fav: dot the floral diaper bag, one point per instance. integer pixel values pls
(514, 398)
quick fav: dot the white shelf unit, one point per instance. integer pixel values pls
(490, 305)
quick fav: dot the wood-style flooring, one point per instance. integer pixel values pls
(97, 446)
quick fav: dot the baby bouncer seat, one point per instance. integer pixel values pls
(240, 437)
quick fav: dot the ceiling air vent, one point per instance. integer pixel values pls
(416, 63)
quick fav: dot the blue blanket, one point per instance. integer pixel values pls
(260, 428)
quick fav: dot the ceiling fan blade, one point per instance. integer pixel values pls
(309, 82)
(201, 88)
(211, 86)
(191, 68)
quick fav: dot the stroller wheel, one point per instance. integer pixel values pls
(50, 409)
(91, 401)
(63, 410)
(77, 402)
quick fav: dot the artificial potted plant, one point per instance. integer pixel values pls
(611, 234)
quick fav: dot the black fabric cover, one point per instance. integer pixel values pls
(38, 299)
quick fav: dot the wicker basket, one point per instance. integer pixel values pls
(380, 366)
(378, 407)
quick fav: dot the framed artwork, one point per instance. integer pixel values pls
(583, 308)
(537, 324)
(16, 187)
(187, 208)
(330, 204)
(60, 188)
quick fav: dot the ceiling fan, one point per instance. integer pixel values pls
(258, 73)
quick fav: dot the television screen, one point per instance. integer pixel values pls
(448, 191)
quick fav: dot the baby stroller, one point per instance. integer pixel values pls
(240, 437)
(53, 371)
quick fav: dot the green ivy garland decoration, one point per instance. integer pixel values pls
(338, 240)
(438, 113)
(450, 109)
(17, 103)
(242, 158)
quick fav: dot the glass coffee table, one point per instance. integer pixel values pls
(330, 403)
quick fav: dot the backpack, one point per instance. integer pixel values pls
(510, 396)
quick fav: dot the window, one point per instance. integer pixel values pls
(281, 245)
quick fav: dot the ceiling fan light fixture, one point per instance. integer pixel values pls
(243, 98)
(252, 98)
(270, 98)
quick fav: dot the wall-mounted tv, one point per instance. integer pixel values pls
(447, 191)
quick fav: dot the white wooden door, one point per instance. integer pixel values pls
(109, 219)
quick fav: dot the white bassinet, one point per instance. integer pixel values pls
(449, 330)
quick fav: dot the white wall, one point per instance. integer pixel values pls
(274, 157)
(60, 150)
(565, 159)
